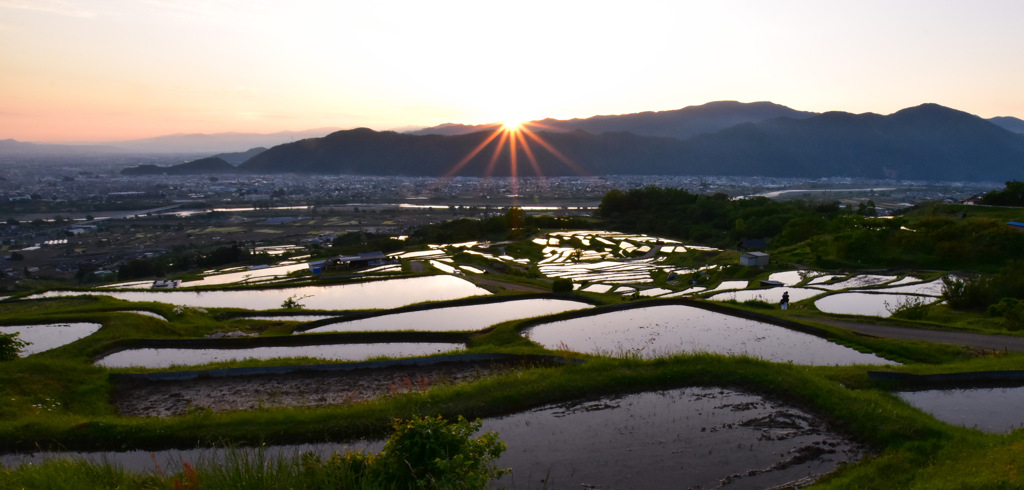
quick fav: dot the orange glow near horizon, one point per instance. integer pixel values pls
(515, 136)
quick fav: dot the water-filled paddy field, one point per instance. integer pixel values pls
(682, 438)
(456, 318)
(390, 293)
(674, 329)
(45, 337)
(996, 410)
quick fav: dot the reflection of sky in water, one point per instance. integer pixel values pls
(773, 295)
(791, 278)
(366, 295)
(457, 318)
(665, 330)
(867, 304)
(46, 337)
(666, 439)
(933, 288)
(247, 275)
(823, 279)
(858, 282)
(161, 358)
(730, 285)
(995, 410)
(683, 438)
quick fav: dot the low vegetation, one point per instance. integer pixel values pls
(59, 399)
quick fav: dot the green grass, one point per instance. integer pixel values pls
(59, 399)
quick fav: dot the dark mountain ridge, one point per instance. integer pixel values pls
(927, 142)
(1011, 124)
(202, 166)
(679, 123)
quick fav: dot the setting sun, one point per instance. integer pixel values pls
(512, 124)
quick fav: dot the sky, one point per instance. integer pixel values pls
(110, 70)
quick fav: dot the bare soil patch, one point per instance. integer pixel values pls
(147, 398)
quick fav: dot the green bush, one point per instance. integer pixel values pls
(433, 453)
(909, 308)
(10, 346)
(561, 285)
(1012, 312)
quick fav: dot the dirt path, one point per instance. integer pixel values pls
(975, 340)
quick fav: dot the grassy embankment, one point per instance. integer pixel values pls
(57, 397)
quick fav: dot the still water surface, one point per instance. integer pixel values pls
(45, 337)
(456, 318)
(682, 438)
(390, 293)
(996, 410)
(672, 329)
(869, 304)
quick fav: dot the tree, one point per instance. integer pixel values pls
(11, 346)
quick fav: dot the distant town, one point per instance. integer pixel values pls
(59, 220)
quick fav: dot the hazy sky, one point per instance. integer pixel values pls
(119, 69)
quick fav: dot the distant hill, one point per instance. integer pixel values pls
(928, 142)
(203, 166)
(1009, 123)
(217, 142)
(680, 123)
(239, 157)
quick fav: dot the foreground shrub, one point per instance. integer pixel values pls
(427, 453)
(561, 285)
(1012, 312)
(908, 308)
(10, 346)
(433, 453)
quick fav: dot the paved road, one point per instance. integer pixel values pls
(976, 340)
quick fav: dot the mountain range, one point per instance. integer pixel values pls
(927, 142)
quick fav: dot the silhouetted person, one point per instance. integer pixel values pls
(785, 300)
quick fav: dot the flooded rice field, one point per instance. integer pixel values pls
(673, 329)
(773, 295)
(869, 304)
(457, 318)
(861, 281)
(682, 438)
(45, 337)
(390, 293)
(996, 410)
(167, 357)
